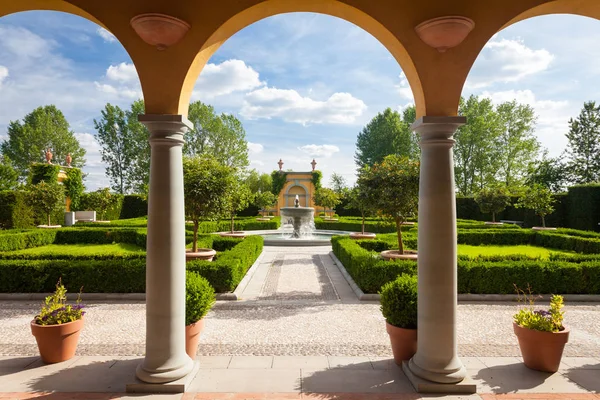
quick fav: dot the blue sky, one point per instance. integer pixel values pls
(303, 84)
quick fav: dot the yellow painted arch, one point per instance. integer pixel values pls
(329, 7)
(12, 7)
(584, 8)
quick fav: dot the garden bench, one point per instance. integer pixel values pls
(506, 221)
(85, 216)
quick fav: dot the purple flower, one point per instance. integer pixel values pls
(542, 313)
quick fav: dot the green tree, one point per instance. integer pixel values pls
(517, 145)
(387, 133)
(583, 149)
(9, 179)
(359, 198)
(262, 200)
(206, 184)
(475, 164)
(238, 199)
(539, 199)
(118, 148)
(549, 172)
(395, 189)
(101, 201)
(338, 184)
(46, 198)
(43, 128)
(140, 136)
(493, 199)
(326, 198)
(258, 182)
(221, 137)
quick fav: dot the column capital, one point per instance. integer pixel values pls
(166, 128)
(437, 129)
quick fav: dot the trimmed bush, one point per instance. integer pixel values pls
(27, 239)
(15, 212)
(584, 207)
(199, 297)
(43, 172)
(133, 206)
(399, 302)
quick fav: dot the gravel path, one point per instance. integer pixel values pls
(300, 327)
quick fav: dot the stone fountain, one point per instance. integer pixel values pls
(302, 219)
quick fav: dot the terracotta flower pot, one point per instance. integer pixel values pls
(201, 254)
(192, 338)
(360, 235)
(390, 255)
(57, 343)
(404, 342)
(541, 351)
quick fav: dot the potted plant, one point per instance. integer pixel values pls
(206, 185)
(541, 334)
(263, 200)
(46, 198)
(56, 328)
(493, 200)
(394, 187)
(358, 199)
(399, 307)
(539, 199)
(199, 298)
(326, 198)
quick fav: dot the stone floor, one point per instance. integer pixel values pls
(297, 332)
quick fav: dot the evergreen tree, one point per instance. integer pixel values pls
(583, 151)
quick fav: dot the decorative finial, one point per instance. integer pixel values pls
(48, 156)
(314, 164)
(69, 159)
(280, 163)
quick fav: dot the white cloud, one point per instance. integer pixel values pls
(255, 148)
(507, 61)
(225, 78)
(289, 105)
(124, 72)
(322, 150)
(123, 82)
(553, 116)
(404, 88)
(3, 74)
(106, 35)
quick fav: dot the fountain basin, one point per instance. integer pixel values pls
(281, 238)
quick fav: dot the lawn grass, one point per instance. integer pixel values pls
(81, 249)
(530, 251)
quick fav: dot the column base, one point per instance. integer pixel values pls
(450, 376)
(164, 376)
(465, 386)
(174, 386)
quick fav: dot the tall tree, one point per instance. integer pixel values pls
(8, 175)
(222, 137)
(259, 183)
(474, 161)
(517, 145)
(550, 172)
(338, 183)
(583, 151)
(141, 146)
(387, 133)
(117, 147)
(44, 128)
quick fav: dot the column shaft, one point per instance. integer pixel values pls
(166, 359)
(436, 358)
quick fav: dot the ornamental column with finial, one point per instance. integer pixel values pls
(280, 163)
(314, 164)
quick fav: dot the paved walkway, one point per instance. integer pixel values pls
(299, 331)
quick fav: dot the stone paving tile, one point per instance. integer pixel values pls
(350, 362)
(312, 362)
(213, 362)
(246, 380)
(355, 381)
(254, 362)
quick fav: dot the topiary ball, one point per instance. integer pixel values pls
(399, 302)
(199, 297)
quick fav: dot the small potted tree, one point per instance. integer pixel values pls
(493, 199)
(47, 198)
(541, 334)
(326, 198)
(358, 199)
(239, 198)
(263, 200)
(539, 199)
(394, 184)
(206, 185)
(199, 299)
(399, 307)
(56, 328)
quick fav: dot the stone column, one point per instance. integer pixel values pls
(436, 358)
(166, 359)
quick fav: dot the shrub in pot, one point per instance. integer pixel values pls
(199, 298)
(399, 307)
(56, 328)
(541, 334)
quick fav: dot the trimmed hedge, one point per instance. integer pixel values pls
(583, 210)
(133, 206)
(14, 210)
(44, 172)
(124, 274)
(562, 273)
(355, 225)
(226, 272)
